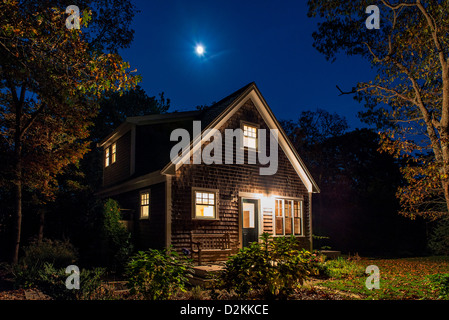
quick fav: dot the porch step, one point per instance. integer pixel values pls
(204, 274)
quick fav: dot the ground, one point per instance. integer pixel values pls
(400, 279)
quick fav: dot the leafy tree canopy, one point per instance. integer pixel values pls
(409, 97)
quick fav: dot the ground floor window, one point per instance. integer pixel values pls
(205, 204)
(288, 217)
(145, 205)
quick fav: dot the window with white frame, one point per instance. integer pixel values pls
(205, 204)
(249, 136)
(110, 155)
(288, 217)
(113, 153)
(107, 158)
(144, 205)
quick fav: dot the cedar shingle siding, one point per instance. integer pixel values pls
(231, 179)
(119, 171)
(170, 210)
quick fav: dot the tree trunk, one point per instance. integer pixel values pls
(40, 234)
(445, 185)
(18, 203)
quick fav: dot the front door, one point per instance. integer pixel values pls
(250, 221)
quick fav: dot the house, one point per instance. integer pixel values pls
(165, 202)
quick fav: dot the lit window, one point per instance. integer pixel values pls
(107, 157)
(113, 153)
(288, 217)
(145, 205)
(205, 205)
(249, 136)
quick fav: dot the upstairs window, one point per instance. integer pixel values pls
(107, 157)
(249, 136)
(110, 155)
(113, 153)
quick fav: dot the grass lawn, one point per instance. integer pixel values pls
(400, 279)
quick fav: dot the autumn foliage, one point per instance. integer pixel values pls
(50, 81)
(408, 99)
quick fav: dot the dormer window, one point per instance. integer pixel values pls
(110, 155)
(113, 153)
(107, 157)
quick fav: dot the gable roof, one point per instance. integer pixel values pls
(214, 117)
(219, 113)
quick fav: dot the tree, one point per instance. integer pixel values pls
(116, 107)
(74, 206)
(356, 206)
(50, 83)
(411, 88)
(311, 130)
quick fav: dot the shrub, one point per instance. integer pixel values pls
(57, 252)
(119, 239)
(440, 283)
(37, 254)
(439, 238)
(342, 268)
(274, 267)
(51, 281)
(158, 274)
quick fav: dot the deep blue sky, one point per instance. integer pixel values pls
(265, 41)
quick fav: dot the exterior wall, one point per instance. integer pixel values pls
(120, 169)
(147, 233)
(153, 145)
(232, 180)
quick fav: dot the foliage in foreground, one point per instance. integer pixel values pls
(118, 238)
(440, 283)
(36, 255)
(274, 267)
(43, 266)
(400, 279)
(158, 274)
(342, 268)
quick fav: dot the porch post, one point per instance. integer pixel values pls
(168, 210)
(310, 221)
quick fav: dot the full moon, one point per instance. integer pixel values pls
(199, 50)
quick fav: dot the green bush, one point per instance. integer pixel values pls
(439, 238)
(52, 281)
(342, 268)
(440, 283)
(57, 252)
(120, 246)
(274, 267)
(36, 255)
(158, 274)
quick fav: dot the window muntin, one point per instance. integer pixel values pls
(288, 217)
(107, 157)
(249, 136)
(205, 205)
(113, 153)
(110, 155)
(144, 205)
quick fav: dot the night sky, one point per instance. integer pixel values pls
(265, 41)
